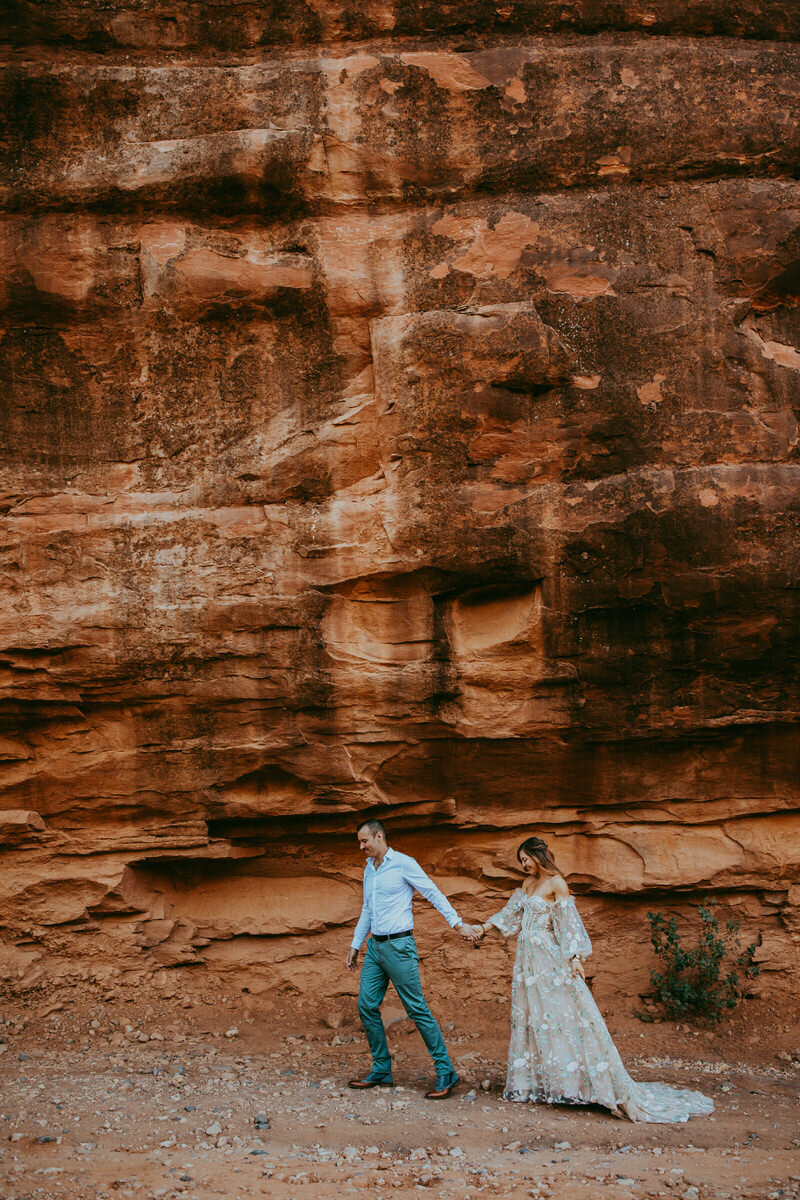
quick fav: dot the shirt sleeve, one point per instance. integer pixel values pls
(364, 921)
(416, 878)
(509, 919)
(572, 938)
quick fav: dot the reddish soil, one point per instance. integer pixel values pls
(112, 1094)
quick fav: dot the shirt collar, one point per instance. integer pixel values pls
(389, 854)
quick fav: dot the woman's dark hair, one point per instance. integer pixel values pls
(536, 848)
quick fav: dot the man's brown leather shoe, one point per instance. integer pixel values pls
(372, 1081)
(443, 1086)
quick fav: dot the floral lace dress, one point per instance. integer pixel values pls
(560, 1048)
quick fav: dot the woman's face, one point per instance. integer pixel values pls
(528, 864)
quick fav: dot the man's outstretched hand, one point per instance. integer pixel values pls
(352, 959)
(470, 933)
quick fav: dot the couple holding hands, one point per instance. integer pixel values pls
(560, 1049)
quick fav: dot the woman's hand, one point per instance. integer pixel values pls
(577, 968)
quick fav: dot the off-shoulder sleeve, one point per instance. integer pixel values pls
(569, 930)
(509, 919)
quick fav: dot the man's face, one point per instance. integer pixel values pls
(369, 843)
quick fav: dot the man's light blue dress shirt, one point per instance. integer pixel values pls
(388, 892)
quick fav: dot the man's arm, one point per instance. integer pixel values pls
(416, 878)
(361, 930)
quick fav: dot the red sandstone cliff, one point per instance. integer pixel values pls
(399, 414)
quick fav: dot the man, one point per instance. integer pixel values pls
(390, 880)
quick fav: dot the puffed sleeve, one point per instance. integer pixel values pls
(569, 930)
(509, 919)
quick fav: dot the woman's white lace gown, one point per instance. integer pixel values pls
(560, 1049)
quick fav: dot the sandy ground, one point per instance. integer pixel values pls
(196, 1094)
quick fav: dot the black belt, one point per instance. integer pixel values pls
(389, 937)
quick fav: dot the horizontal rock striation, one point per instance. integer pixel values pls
(399, 416)
(288, 136)
(152, 26)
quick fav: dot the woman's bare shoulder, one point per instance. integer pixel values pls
(560, 889)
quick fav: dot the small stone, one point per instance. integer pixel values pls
(232, 1032)
(471, 1095)
(486, 1084)
(563, 1146)
(512, 1146)
(456, 1152)
(214, 1129)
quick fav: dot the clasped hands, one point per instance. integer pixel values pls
(471, 933)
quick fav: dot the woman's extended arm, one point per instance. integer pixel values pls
(509, 919)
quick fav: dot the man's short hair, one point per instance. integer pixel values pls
(373, 825)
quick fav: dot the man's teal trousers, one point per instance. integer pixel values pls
(396, 961)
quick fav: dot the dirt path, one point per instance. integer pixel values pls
(106, 1097)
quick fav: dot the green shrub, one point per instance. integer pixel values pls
(706, 980)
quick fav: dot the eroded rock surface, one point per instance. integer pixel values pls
(399, 415)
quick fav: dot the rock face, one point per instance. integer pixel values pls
(398, 416)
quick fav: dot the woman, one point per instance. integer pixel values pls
(560, 1048)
